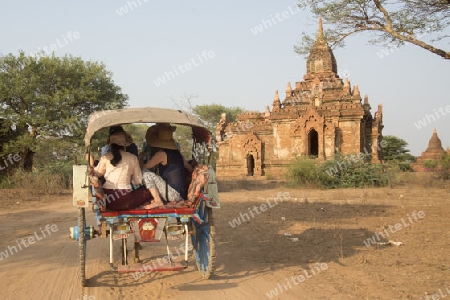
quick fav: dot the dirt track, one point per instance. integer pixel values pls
(254, 259)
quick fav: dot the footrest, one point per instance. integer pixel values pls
(145, 213)
(150, 267)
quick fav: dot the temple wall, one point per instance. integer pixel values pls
(351, 136)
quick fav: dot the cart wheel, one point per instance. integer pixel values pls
(82, 244)
(203, 242)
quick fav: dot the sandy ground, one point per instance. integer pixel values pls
(311, 245)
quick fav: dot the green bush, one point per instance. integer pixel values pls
(303, 172)
(346, 172)
(51, 178)
(440, 167)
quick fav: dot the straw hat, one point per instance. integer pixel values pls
(161, 136)
(120, 138)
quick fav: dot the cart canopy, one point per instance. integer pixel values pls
(107, 118)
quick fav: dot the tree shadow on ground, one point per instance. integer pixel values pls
(290, 234)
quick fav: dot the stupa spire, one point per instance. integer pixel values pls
(288, 90)
(435, 143)
(356, 90)
(321, 58)
(320, 33)
(276, 102)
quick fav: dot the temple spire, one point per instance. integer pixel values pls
(435, 143)
(320, 27)
(356, 90)
(276, 102)
(276, 98)
(288, 90)
(321, 58)
(366, 99)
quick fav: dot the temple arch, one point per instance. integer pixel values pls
(313, 143)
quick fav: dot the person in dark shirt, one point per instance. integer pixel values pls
(170, 184)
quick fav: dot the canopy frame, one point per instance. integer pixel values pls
(108, 118)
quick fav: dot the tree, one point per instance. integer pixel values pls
(393, 22)
(395, 150)
(46, 99)
(211, 114)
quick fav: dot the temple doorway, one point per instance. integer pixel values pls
(250, 165)
(313, 143)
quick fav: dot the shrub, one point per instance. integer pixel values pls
(345, 172)
(440, 167)
(303, 172)
(49, 179)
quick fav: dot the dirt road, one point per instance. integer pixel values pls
(312, 245)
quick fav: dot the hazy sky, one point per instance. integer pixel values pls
(223, 60)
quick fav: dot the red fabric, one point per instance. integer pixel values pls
(125, 199)
(200, 177)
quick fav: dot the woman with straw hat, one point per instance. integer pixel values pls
(170, 184)
(119, 167)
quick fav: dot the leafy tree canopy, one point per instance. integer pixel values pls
(211, 114)
(48, 99)
(393, 23)
(396, 149)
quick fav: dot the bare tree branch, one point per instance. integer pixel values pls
(398, 22)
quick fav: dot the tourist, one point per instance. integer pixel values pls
(118, 168)
(170, 184)
(131, 148)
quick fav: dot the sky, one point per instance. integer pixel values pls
(225, 59)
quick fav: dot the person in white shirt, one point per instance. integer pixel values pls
(118, 168)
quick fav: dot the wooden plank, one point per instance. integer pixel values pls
(150, 267)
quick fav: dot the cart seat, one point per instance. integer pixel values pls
(200, 177)
(144, 213)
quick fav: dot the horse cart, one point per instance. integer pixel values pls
(190, 218)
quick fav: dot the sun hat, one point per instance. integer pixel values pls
(161, 136)
(152, 132)
(120, 138)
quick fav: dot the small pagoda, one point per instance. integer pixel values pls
(433, 152)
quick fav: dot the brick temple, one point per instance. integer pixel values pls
(434, 151)
(320, 117)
